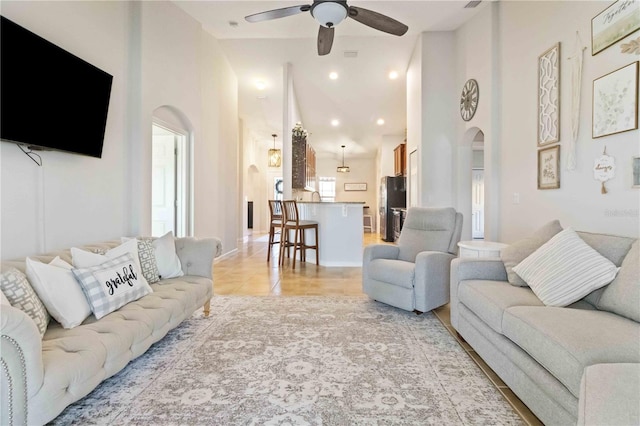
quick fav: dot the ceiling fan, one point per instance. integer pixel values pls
(330, 13)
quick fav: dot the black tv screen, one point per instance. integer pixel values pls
(49, 97)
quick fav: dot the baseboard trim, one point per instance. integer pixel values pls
(225, 255)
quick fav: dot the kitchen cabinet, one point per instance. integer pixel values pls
(303, 169)
(400, 160)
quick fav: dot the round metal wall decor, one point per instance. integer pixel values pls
(469, 99)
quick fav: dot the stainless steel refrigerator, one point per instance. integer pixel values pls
(393, 193)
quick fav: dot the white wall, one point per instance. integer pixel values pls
(476, 53)
(159, 56)
(72, 199)
(431, 105)
(578, 202)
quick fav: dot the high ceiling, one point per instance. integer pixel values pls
(360, 95)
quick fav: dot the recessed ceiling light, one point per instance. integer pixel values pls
(260, 85)
(393, 75)
(380, 121)
(335, 122)
(333, 75)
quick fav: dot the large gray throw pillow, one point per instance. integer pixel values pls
(622, 296)
(518, 251)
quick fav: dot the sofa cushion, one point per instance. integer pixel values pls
(396, 272)
(489, 299)
(565, 341)
(518, 251)
(565, 269)
(622, 296)
(18, 291)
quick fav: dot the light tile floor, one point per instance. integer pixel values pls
(247, 273)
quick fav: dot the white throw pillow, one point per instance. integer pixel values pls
(59, 291)
(565, 269)
(168, 261)
(112, 284)
(86, 259)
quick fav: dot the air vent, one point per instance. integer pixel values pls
(472, 4)
(350, 53)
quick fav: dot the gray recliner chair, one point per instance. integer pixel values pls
(414, 275)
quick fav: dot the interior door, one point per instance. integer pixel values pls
(163, 183)
(477, 204)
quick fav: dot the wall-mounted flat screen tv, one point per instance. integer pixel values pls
(50, 98)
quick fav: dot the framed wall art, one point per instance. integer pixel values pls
(549, 168)
(549, 96)
(636, 172)
(614, 23)
(355, 186)
(615, 101)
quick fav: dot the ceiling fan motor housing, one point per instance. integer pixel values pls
(329, 13)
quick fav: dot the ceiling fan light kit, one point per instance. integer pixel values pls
(330, 13)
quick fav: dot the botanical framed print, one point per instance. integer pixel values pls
(614, 23)
(615, 101)
(549, 168)
(549, 96)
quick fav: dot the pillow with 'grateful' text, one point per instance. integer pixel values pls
(112, 284)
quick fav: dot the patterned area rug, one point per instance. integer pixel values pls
(299, 361)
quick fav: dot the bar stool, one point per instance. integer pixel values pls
(293, 223)
(367, 219)
(275, 208)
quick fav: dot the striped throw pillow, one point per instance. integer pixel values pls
(565, 269)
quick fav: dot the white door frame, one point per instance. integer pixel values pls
(182, 178)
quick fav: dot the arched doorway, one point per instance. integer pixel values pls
(471, 184)
(171, 199)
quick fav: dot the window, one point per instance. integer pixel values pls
(327, 188)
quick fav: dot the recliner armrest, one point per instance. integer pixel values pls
(380, 251)
(431, 284)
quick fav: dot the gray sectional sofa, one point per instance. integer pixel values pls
(42, 376)
(543, 353)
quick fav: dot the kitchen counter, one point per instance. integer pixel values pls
(331, 202)
(340, 231)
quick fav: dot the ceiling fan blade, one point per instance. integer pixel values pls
(377, 20)
(325, 40)
(277, 13)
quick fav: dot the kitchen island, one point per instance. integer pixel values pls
(340, 231)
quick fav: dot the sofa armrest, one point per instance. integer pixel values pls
(21, 364)
(196, 255)
(472, 269)
(431, 284)
(609, 395)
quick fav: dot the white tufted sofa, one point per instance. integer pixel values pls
(42, 376)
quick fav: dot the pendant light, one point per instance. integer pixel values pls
(343, 168)
(275, 155)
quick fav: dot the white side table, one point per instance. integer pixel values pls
(489, 249)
